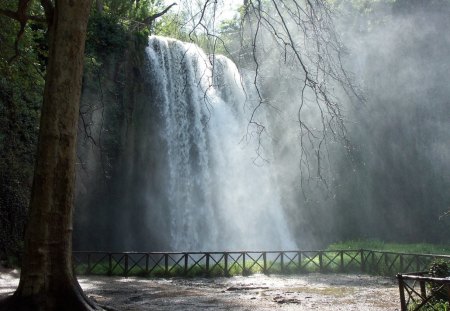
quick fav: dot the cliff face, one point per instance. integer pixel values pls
(113, 91)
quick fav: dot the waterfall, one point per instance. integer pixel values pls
(218, 197)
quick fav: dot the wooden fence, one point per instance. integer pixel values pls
(247, 262)
(419, 291)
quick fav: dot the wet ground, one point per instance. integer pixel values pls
(257, 292)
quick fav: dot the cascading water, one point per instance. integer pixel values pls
(219, 198)
(184, 175)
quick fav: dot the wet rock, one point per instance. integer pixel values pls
(239, 288)
(283, 300)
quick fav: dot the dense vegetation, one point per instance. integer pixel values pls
(21, 86)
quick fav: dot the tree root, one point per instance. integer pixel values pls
(72, 300)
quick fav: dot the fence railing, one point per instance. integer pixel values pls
(247, 262)
(419, 291)
(391, 263)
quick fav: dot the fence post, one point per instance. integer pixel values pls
(423, 290)
(401, 263)
(147, 259)
(89, 264)
(401, 288)
(282, 261)
(386, 263)
(186, 258)
(225, 257)
(300, 261)
(363, 264)
(264, 262)
(244, 272)
(342, 260)
(166, 263)
(207, 263)
(126, 264)
(109, 264)
(320, 262)
(374, 269)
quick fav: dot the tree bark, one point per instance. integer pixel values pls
(47, 281)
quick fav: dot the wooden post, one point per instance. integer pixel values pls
(89, 264)
(264, 262)
(386, 264)
(299, 261)
(401, 263)
(126, 264)
(282, 261)
(373, 262)
(401, 288)
(207, 263)
(225, 257)
(342, 260)
(109, 264)
(166, 263)
(363, 264)
(147, 262)
(320, 262)
(423, 290)
(244, 272)
(186, 258)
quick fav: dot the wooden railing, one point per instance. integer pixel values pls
(247, 262)
(419, 291)
(391, 263)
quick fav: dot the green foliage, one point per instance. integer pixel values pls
(132, 10)
(439, 269)
(173, 25)
(105, 35)
(21, 88)
(432, 306)
(416, 248)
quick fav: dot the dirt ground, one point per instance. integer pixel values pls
(257, 292)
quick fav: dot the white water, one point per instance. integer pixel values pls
(219, 198)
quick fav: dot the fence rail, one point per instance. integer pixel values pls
(247, 262)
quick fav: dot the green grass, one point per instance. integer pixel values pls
(436, 306)
(413, 248)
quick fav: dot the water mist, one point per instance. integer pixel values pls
(188, 173)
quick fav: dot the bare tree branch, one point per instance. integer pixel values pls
(150, 19)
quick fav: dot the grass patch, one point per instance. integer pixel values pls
(413, 248)
(432, 306)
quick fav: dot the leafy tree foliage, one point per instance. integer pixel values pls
(21, 87)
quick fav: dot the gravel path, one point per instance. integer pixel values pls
(257, 292)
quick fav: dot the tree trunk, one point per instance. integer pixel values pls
(47, 281)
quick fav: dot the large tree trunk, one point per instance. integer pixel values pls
(47, 281)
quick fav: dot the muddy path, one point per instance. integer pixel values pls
(257, 292)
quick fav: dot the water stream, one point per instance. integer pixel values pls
(219, 196)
